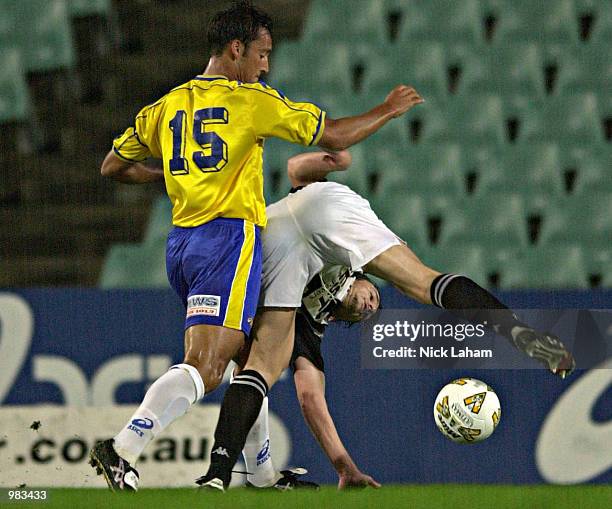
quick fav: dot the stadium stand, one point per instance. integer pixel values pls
(517, 99)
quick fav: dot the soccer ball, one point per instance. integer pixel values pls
(467, 411)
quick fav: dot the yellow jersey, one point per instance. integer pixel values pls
(210, 135)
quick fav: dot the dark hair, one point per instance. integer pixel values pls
(358, 276)
(241, 21)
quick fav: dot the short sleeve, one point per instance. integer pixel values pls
(139, 141)
(276, 116)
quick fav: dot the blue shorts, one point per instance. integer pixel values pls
(215, 269)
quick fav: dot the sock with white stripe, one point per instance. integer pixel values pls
(471, 302)
(239, 411)
(170, 396)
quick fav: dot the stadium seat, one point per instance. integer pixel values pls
(448, 22)
(362, 20)
(598, 261)
(394, 135)
(488, 219)
(83, 8)
(553, 267)
(477, 162)
(276, 154)
(584, 219)
(601, 33)
(530, 168)
(468, 260)
(525, 20)
(299, 72)
(14, 96)
(471, 121)
(585, 68)
(498, 257)
(160, 220)
(505, 69)
(135, 266)
(421, 65)
(404, 214)
(426, 170)
(564, 119)
(41, 29)
(591, 164)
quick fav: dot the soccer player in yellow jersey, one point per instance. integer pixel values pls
(209, 133)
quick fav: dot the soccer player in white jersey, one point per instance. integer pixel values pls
(336, 293)
(326, 223)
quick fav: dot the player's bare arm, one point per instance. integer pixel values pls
(310, 388)
(303, 169)
(129, 173)
(340, 134)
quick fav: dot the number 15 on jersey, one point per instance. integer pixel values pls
(213, 156)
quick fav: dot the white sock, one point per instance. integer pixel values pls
(256, 452)
(167, 399)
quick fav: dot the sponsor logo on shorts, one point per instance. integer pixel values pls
(208, 305)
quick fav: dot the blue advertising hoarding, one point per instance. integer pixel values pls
(94, 348)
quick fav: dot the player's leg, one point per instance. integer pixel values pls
(401, 267)
(257, 452)
(208, 350)
(272, 343)
(215, 269)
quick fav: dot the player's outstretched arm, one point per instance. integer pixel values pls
(129, 173)
(303, 169)
(310, 388)
(342, 133)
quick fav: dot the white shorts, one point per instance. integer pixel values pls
(325, 223)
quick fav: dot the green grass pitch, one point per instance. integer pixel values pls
(447, 496)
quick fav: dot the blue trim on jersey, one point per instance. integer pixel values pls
(139, 140)
(126, 158)
(314, 137)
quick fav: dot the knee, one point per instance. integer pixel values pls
(211, 371)
(269, 372)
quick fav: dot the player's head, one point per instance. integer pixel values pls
(360, 303)
(244, 34)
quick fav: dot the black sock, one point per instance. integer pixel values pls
(471, 302)
(240, 408)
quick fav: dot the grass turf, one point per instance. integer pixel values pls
(391, 496)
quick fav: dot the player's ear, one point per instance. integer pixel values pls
(237, 49)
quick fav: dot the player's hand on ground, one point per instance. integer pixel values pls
(356, 479)
(401, 99)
